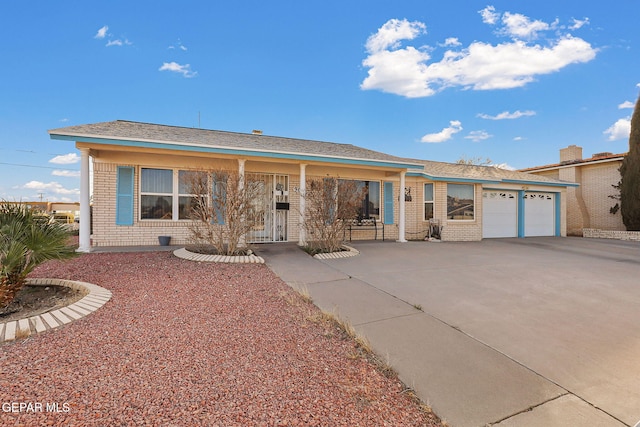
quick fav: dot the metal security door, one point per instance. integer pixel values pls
(273, 200)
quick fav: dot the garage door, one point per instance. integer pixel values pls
(499, 214)
(539, 214)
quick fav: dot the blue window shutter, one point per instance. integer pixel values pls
(124, 195)
(388, 202)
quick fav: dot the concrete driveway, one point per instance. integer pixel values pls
(506, 332)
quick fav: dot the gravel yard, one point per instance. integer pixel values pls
(188, 344)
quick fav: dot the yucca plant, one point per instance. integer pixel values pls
(25, 242)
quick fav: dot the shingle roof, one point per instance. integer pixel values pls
(579, 162)
(164, 135)
(195, 137)
(441, 170)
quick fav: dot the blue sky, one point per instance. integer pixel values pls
(509, 81)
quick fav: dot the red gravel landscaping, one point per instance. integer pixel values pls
(195, 344)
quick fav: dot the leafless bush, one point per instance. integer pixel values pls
(223, 209)
(330, 204)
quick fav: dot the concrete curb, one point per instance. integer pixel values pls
(241, 259)
(96, 297)
(342, 254)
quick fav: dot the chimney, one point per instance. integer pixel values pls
(256, 132)
(570, 154)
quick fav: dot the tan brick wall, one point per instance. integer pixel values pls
(597, 181)
(588, 205)
(146, 232)
(459, 230)
(612, 234)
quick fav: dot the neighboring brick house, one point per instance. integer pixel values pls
(138, 195)
(588, 206)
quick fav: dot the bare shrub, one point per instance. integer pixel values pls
(330, 204)
(223, 209)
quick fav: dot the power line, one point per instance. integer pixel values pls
(40, 167)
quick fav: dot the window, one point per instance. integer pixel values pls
(187, 182)
(460, 201)
(167, 194)
(428, 202)
(156, 193)
(370, 205)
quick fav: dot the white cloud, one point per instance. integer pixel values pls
(65, 159)
(579, 23)
(392, 32)
(489, 15)
(452, 41)
(619, 130)
(66, 173)
(118, 42)
(406, 70)
(50, 187)
(185, 70)
(505, 115)
(102, 32)
(504, 166)
(178, 45)
(518, 138)
(625, 104)
(519, 26)
(478, 135)
(445, 134)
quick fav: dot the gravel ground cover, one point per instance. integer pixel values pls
(195, 344)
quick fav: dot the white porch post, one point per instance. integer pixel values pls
(85, 209)
(401, 233)
(243, 240)
(302, 238)
(241, 171)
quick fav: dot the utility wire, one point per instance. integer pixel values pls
(40, 167)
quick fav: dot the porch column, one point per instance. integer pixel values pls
(241, 171)
(243, 239)
(85, 209)
(401, 233)
(303, 186)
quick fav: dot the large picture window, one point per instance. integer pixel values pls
(166, 194)
(370, 204)
(460, 201)
(428, 202)
(156, 193)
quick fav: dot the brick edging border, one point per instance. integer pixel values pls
(342, 254)
(241, 259)
(96, 297)
(611, 234)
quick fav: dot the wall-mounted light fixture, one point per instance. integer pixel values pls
(407, 194)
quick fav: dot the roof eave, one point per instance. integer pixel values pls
(175, 146)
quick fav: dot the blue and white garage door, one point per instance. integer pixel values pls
(499, 214)
(539, 214)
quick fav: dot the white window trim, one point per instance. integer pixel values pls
(432, 201)
(175, 195)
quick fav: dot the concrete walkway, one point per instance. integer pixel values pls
(507, 332)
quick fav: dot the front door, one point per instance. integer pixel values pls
(273, 201)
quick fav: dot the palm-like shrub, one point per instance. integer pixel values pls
(26, 241)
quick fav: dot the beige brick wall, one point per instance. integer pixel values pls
(146, 232)
(597, 181)
(588, 205)
(459, 230)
